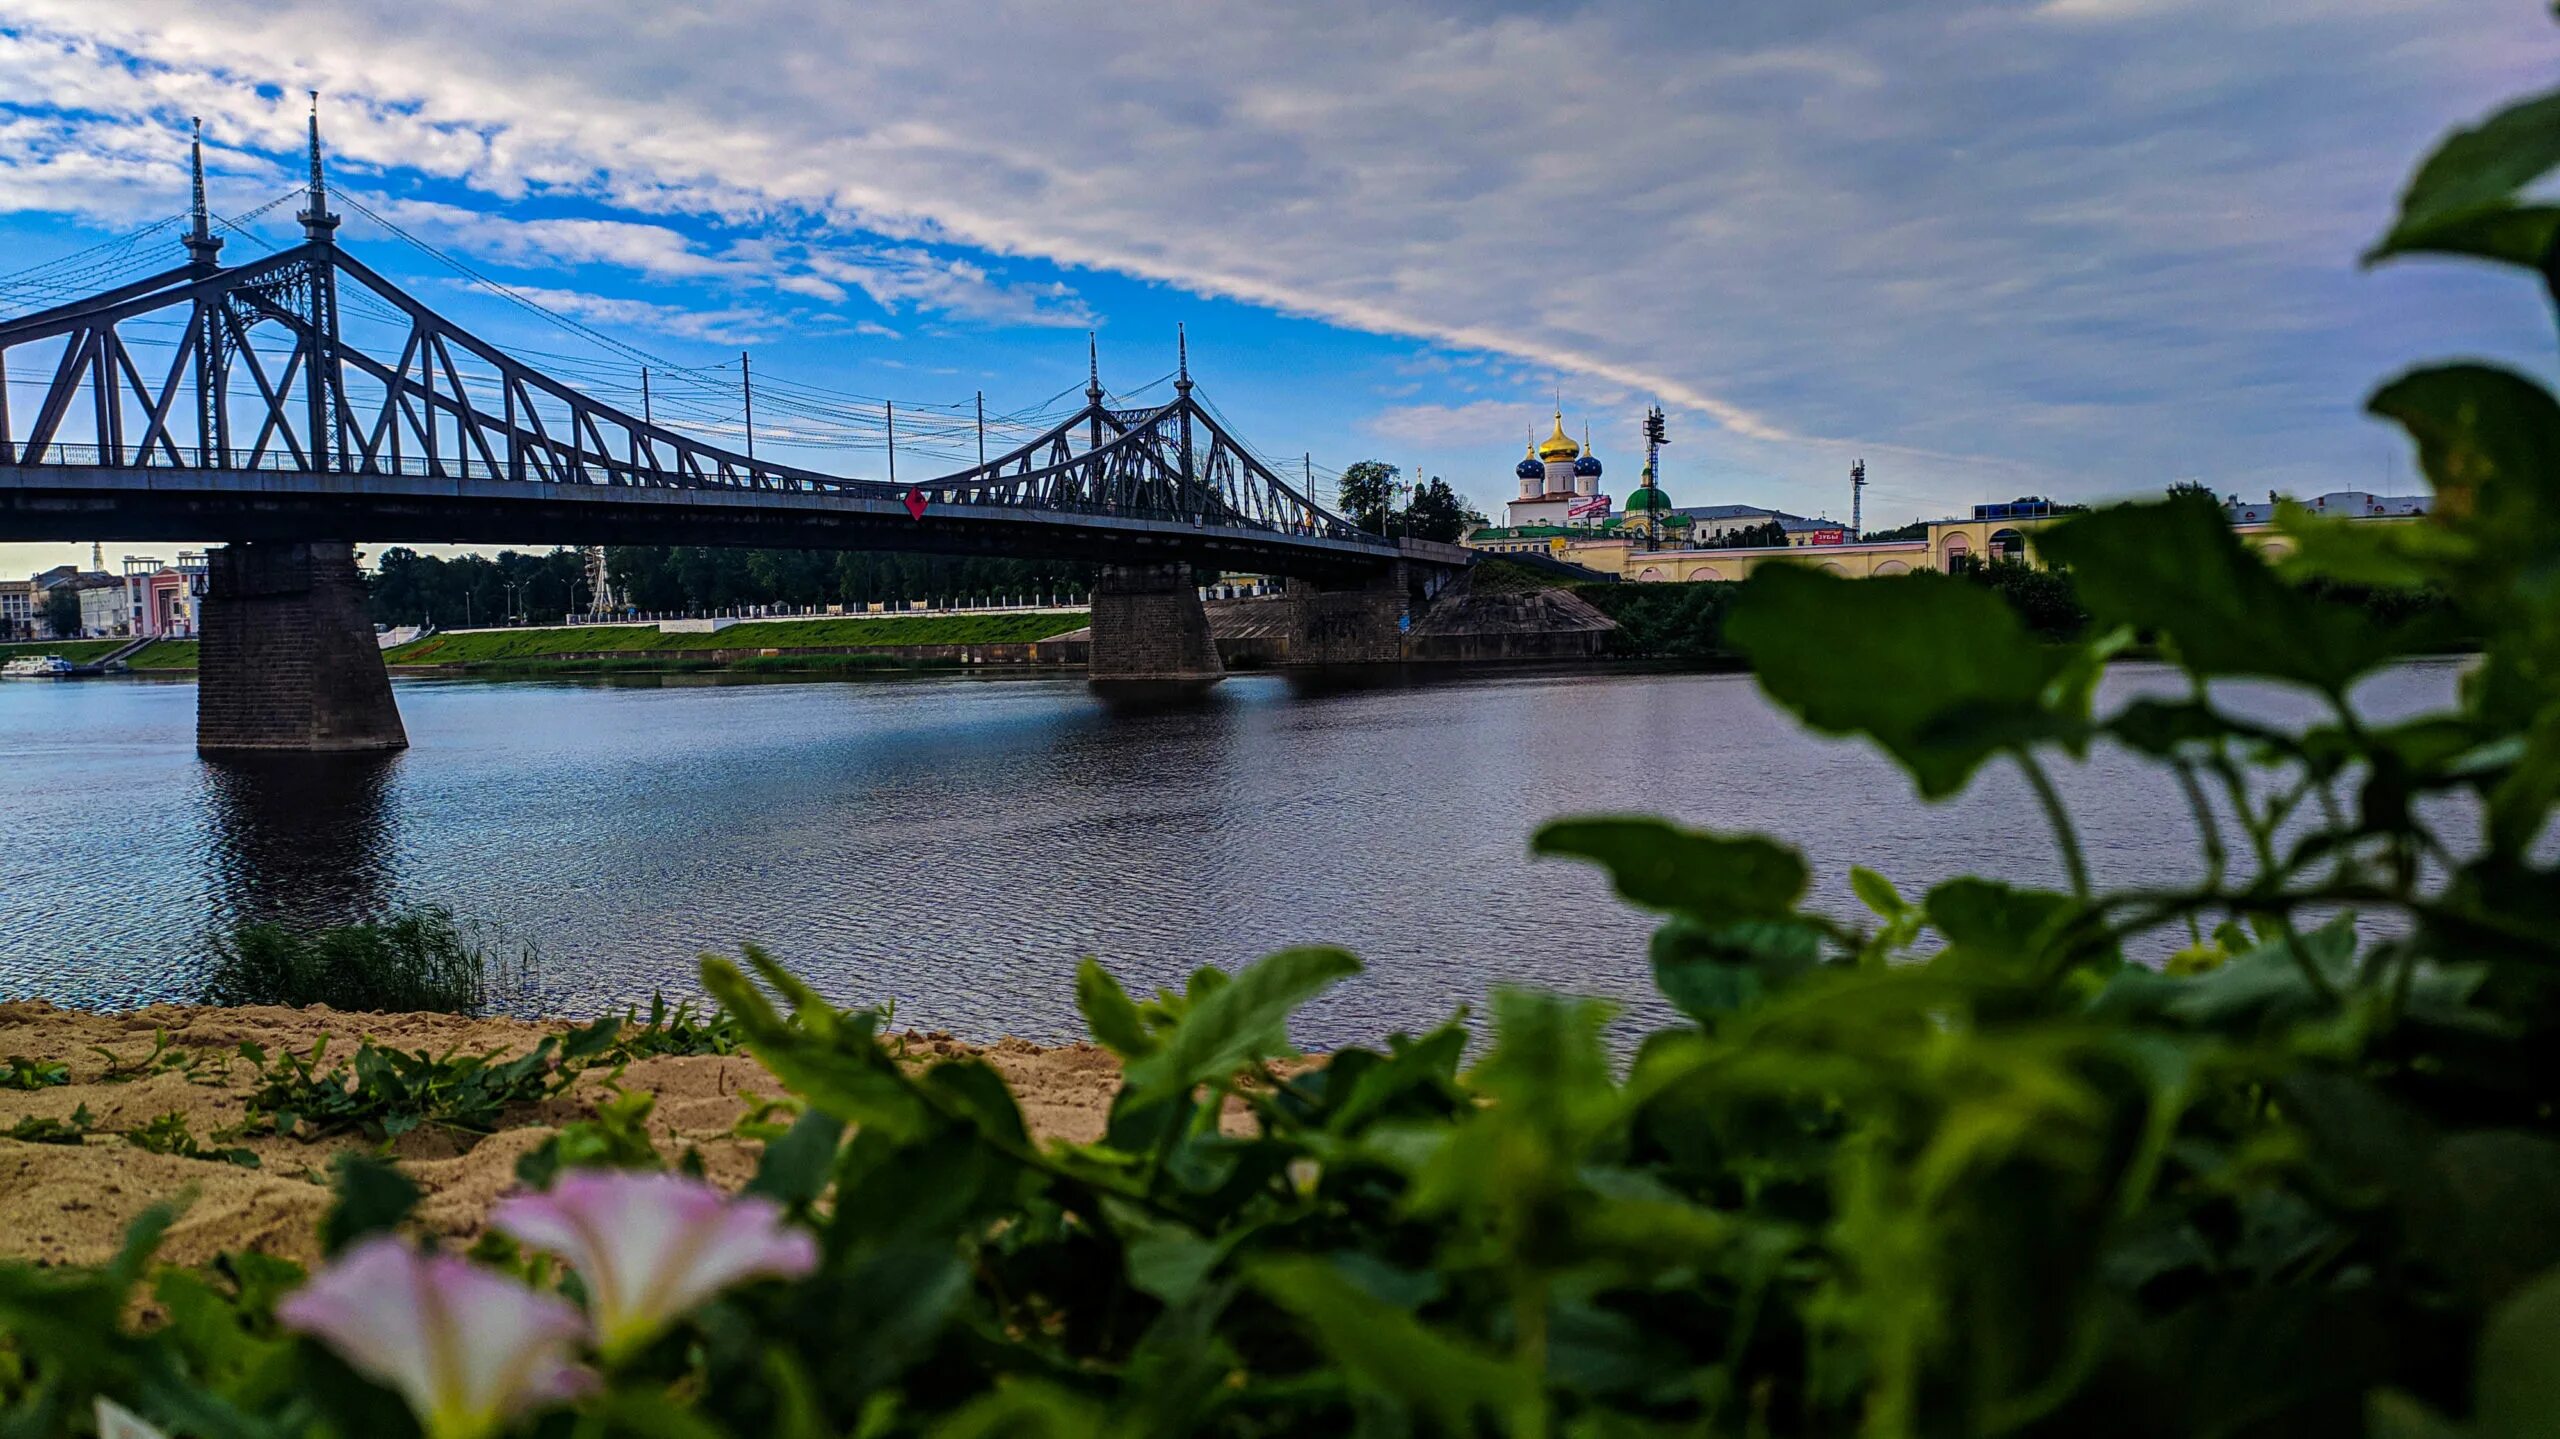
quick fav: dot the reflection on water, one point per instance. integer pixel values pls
(957, 843)
(301, 839)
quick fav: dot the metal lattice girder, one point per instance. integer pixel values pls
(447, 404)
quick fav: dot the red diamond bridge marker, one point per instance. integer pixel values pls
(915, 504)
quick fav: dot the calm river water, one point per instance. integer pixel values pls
(957, 843)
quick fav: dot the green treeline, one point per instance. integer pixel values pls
(470, 591)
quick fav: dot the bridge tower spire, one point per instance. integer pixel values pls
(317, 222)
(1092, 392)
(323, 382)
(204, 248)
(1182, 388)
(204, 257)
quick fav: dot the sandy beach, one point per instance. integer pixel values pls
(70, 1203)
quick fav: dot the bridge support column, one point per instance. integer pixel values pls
(1355, 624)
(1148, 624)
(288, 659)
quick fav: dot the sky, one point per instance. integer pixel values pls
(2078, 248)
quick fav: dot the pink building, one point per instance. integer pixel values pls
(162, 598)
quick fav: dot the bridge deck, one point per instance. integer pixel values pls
(80, 503)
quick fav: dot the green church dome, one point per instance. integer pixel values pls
(1647, 497)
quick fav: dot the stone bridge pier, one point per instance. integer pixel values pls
(1357, 623)
(287, 659)
(1149, 624)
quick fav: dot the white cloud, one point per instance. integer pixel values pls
(1988, 246)
(739, 326)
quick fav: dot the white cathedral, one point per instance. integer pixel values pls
(1559, 484)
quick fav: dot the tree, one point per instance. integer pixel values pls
(1916, 530)
(1367, 494)
(62, 612)
(2183, 487)
(1767, 534)
(1436, 513)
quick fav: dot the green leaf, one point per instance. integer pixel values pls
(2463, 199)
(972, 1087)
(1110, 1014)
(1900, 659)
(1238, 1022)
(1993, 927)
(1714, 969)
(2518, 1385)
(1877, 893)
(795, 1168)
(1019, 1409)
(2360, 552)
(1390, 1352)
(2486, 438)
(372, 1197)
(1662, 866)
(2174, 568)
(830, 1057)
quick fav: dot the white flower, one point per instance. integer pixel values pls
(117, 1422)
(468, 1347)
(649, 1247)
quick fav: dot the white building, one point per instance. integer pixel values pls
(2348, 504)
(17, 609)
(1559, 484)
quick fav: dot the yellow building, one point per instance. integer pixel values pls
(1993, 532)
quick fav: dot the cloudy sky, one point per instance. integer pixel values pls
(2074, 247)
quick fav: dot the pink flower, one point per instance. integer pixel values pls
(652, 1246)
(468, 1347)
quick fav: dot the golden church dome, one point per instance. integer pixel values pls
(1559, 446)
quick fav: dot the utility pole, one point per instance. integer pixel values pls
(647, 417)
(747, 385)
(890, 408)
(982, 429)
(1655, 437)
(1858, 501)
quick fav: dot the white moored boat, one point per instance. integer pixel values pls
(37, 667)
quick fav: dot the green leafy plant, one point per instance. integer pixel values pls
(168, 1134)
(165, 1057)
(33, 1130)
(677, 1029)
(383, 1093)
(25, 1073)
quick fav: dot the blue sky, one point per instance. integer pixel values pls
(2072, 247)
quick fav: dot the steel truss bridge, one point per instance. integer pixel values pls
(269, 420)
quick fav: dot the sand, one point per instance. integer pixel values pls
(70, 1204)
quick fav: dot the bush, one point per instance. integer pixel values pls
(420, 960)
(1666, 621)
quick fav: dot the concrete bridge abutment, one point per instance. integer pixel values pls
(1149, 624)
(287, 659)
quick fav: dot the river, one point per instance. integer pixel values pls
(957, 843)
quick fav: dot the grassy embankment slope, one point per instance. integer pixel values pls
(78, 652)
(166, 655)
(643, 647)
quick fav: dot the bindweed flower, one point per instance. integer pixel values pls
(117, 1422)
(469, 1348)
(651, 1246)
